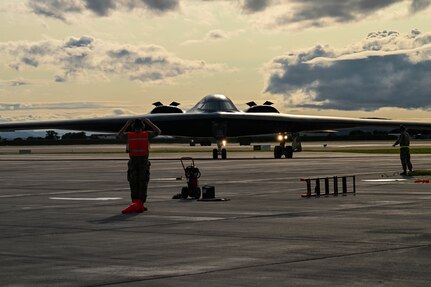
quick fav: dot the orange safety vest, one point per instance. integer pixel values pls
(138, 144)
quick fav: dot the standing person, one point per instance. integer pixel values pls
(404, 142)
(138, 172)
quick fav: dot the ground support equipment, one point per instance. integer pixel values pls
(326, 184)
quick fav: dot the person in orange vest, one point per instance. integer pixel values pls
(138, 172)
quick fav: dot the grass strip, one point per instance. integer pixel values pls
(419, 150)
(420, 172)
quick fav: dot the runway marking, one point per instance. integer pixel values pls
(86, 198)
(385, 180)
(166, 179)
(61, 192)
(186, 218)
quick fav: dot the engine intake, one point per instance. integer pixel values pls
(265, 108)
(162, 109)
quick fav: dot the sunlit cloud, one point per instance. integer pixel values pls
(385, 70)
(87, 57)
(301, 14)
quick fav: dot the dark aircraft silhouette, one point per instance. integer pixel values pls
(216, 117)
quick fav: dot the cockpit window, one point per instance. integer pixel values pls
(216, 103)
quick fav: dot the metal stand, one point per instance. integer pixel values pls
(344, 185)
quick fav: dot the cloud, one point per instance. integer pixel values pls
(216, 35)
(13, 83)
(100, 7)
(270, 14)
(61, 9)
(56, 8)
(121, 112)
(22, 112)
(213, 35)
(87, 57)
(76, 43)
(300, 14)
(161, 5)
(50, 106)
(252, 6)
(419, 5)
(385, 70)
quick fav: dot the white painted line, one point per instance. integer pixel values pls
(385, 180)
(61, 192)
(166, 179)
(86, 198)
(186, 218)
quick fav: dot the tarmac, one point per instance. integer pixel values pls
(60, 222)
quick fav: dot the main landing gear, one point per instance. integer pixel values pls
(220, 150)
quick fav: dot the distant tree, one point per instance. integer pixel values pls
(358, 133)
(51, 135)
(380, 133)
(34, 138)
(80, 135)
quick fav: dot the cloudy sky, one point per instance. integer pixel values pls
(93, 58)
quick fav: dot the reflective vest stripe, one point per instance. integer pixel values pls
(138, 144)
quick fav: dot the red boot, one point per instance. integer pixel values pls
(136, 206)
(131, 208)
(140, 206)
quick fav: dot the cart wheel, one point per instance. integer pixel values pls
(196, 193)
(184, 192)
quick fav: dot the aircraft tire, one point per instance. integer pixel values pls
(196, 193)
(288, 152)
(215, 153)
(184, 192)
(224, 154)
(277, 151)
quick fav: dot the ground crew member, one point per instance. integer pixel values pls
(138, 172)
(404, 142)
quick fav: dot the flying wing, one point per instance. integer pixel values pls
(215, 116)
(202, 124)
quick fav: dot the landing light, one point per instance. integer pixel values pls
(282, 137)
(224, 142)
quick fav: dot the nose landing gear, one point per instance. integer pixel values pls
(220, 150)
(279, 151)
(282, 149)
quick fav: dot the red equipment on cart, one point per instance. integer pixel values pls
(192, 174)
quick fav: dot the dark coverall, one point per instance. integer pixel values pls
(404, 142)
(138, 174)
